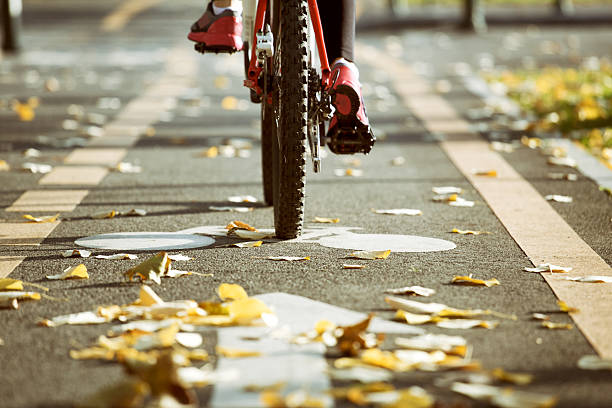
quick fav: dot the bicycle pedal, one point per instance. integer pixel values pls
(202, 48)
(347, 139)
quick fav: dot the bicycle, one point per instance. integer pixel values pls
(281, 44)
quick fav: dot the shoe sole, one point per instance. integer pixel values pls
(349, 119)
(206, 42)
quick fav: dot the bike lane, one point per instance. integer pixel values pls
(177, 188)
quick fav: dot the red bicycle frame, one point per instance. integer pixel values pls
(255, 69)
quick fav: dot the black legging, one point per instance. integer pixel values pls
(338, 21)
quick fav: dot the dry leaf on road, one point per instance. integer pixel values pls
(468, 280)
(558, 198)
(411, 290)
(556, 326)
(79, 253)
(153, 268)
(446, 190)
(75, 272)
(590, 279)
(468, 232)
(352, 266)
(242, 199)
(231, 291)
(370, 255)
(547, 267)
(120, 256)
(40, 220)
(399, 211)
(248, 244)
(230, 209)
(324, 220)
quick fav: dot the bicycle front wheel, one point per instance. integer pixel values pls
(290, 175)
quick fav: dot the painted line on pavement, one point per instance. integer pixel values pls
(300, 367)
(536, 227)
(8, 264)
(74, 175)
(124, 13)
(101, 157)
(48, 200)
(124, 131)
(24, 233)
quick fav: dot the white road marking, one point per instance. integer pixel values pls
(299, 366)
(145, 241)
(343, 238)
(48, 200)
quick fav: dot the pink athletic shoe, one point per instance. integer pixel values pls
(217, 33)
(349, 130)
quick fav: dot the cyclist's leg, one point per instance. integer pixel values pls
(350, 120)
(220, 27)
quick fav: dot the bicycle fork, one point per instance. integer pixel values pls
(320, 108)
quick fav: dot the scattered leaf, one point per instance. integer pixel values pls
(559, 198)
(323, 220)
(115, 257)
(133, 212)
(239, 225)
(564, 307)
(467, 324)
(461, 202)
(590, 279)
(562, 161)
(242, 199)
(468, 232)
(248, 244)
(399, 211)
(398, 161)
(370, 255)
(414, 318)
(79, 253)
(4, 166)
(468, 280)
(486, 173)
(102, 215)
(591, 362)
(563, 176)
(230, 209)
(148, 297)
(540, 316)
(352, 266)
(75, 272)
(126, 167)
(361, 374)
(230, 291)
(547, 267)
(40, 220)
(502, 147)
(179, 257)
(348, 172)
(236, 353)
(513, 378)
(252, 235)
(31, 152)
(210, 153)
(556, 326)
(431, 342)
(24, 111)
(411, 290)
(153, 268)
(37, 167)
(285, 258)
(504, 397)
(446, 190)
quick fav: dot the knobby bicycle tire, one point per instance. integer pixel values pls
(292, 102)
(268, 137)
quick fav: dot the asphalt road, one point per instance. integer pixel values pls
(176, 187)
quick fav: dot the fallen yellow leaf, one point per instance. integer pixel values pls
(47, 218)
(10, 284)
(486, 173)
(564, 307)
(231, 291)
(467, 232)
(468, 280)
(323, 220)
(515, 378)
(4, 166)
(102, 215)
(148, 297)
(210, 153)
(371, 254)
(239, 225)
(24, 111)
(249, 244)
(553, 325)
(244, 311)
(92, 353)
(153, 268)
(75, 272)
